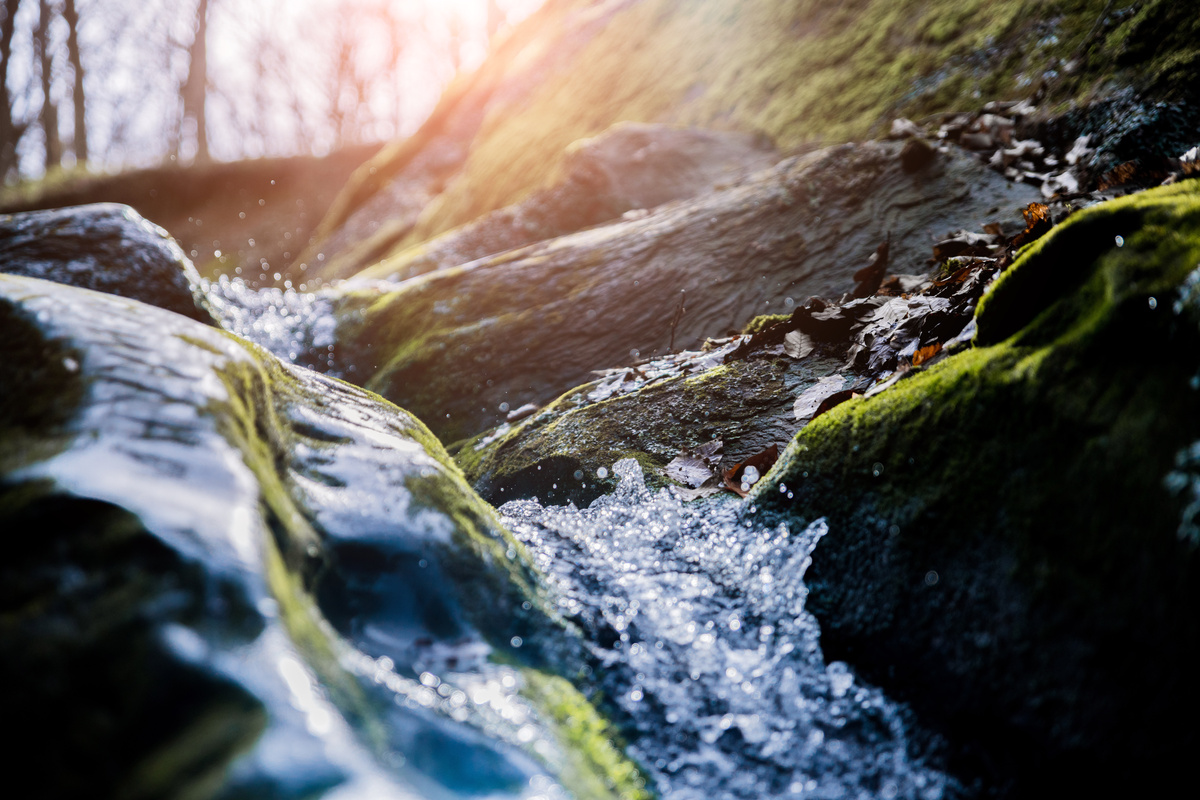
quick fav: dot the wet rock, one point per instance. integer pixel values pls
(226, 575)
(1011, 543)
(630, 166)
(651, 412)
(106, 247)
(524, 326)
(917, 155)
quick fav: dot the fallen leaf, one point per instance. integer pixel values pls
(694, 468)
(685, 494)
(871, 276)
(811, 398)
(836, 399)
(710, 451)
(741, 477)
(925, 353)
(798, 345)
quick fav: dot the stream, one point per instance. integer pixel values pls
(694, 622)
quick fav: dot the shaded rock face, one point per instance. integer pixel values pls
(227, 577)
(628, 167)
(1012, 540)
(106, 247)
(522, 327)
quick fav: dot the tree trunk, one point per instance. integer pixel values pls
(71, 15)
(195, 89)
(49, 114)
(10, 131)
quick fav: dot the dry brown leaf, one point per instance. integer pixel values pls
(760, 463)
(926, 353)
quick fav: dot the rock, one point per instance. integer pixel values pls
(630, 166)
(106, 247)
(576, 67)
(1013, 543)
(525, 326)
(566, 451)
(225, 574)
(904, 128)
(917, 155)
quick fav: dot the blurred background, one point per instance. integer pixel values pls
(233, 124)
(117, 84)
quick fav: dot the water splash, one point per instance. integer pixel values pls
(298, 327)
(695, 618)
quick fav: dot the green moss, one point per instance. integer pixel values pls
(764, 321)
(799, 72)
(1069, 354)
(596, 766)
(1005, 519)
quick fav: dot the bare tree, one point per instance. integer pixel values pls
(195, 89)
(11, 129)
(80, 142)
(49, 113)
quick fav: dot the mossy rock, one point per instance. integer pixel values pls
(799, 72)
(1012, 542)
(565, 452)
(522, 327)
(212, 553)
(106, 247)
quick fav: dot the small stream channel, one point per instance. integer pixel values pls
(694, 619)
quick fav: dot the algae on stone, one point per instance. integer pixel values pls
(232, 539)
(1004, 546)
(526, 325)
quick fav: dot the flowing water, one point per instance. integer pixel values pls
(694, 613)
(694, 619)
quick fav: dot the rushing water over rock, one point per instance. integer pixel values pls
(696, 622)
(295, 326)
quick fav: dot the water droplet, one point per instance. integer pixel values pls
(602, 473)
(71, 365)
(578, 474)
(931, 578)
(636, 695)
(877, 469)
(635, 353)
(1153, 303)
(1120, 241)
(516, 641)
(504, 408)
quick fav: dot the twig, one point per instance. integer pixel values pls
(679, 311)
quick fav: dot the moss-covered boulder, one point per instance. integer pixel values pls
(226, 576)
(522, 327)
(106, 247)
(1012, 537)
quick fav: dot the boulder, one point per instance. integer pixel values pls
(652, 412)
(106, 247)
(522, 327)
(801, 73)
(1013, 541)
(630, 166)
(227, 576)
